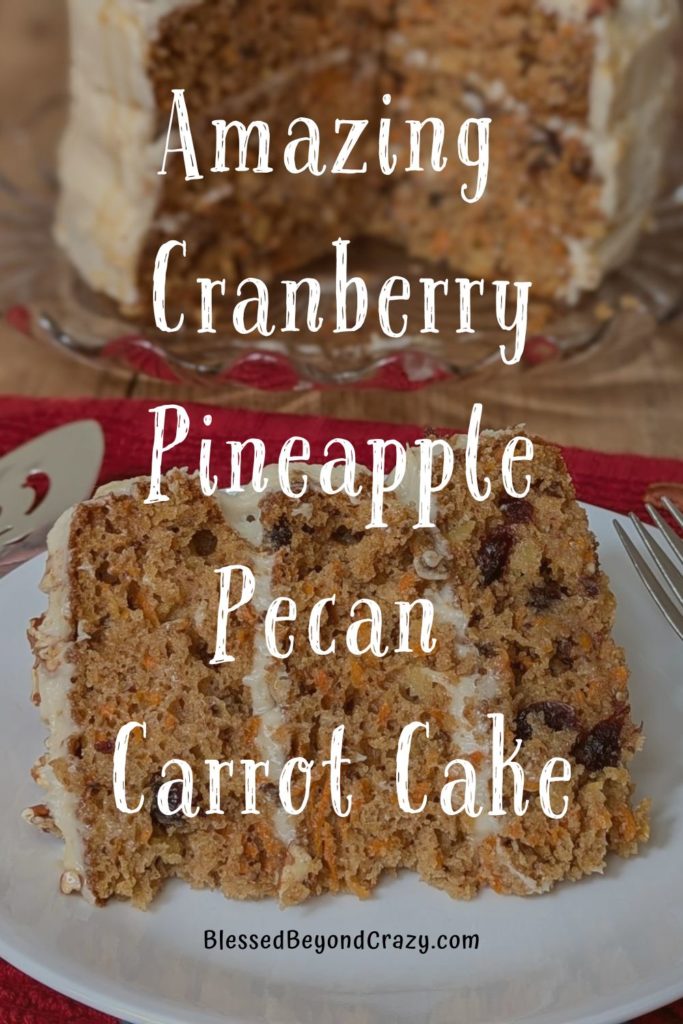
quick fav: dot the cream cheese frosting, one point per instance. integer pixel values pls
(52, 677)
(111, 150)
(55, 637)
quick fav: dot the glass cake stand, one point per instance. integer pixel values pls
(42, 295)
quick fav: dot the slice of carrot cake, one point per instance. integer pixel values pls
(521, 628)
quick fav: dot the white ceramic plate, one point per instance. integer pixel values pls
(598, 952)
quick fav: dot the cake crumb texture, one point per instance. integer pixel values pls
(523, 618)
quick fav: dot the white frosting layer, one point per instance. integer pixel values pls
(468, 694)
(53, 675)
(242, 512)
(264, 705)
(110, 152)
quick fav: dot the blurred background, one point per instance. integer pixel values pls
(622, 394)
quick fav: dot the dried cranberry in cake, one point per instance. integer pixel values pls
(581, 167)
(174, 802)
(545, 150)
(563, 656)
(494, 554)
(556, 715)
(204, 543)
(600, 747)
(281, 534)
(343, 535)
(590, 586)
(516, 510)
(543, 595)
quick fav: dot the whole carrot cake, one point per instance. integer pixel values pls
(578, 92)
(522, 620)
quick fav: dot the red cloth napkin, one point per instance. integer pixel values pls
(617, 482)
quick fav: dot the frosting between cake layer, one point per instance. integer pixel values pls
(264, 706)
(53, 675)
(466, 692)
(242, 513)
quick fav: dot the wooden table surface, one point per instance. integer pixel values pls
(626, 395)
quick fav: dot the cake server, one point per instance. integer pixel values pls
(39, 481)
(665, 585)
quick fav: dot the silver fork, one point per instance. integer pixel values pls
(666, 586)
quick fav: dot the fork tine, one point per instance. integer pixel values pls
(674, 511)
(669, 571)
(675, 542)
(659, 595)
